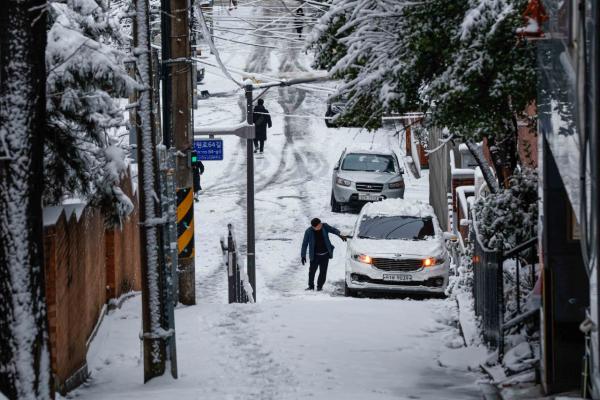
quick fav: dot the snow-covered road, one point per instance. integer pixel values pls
(292, 344)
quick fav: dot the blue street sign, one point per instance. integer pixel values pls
(209, 149)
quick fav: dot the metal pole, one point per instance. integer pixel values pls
(250, 195)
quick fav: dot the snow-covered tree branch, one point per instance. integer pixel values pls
(86, 80)
(459, 61)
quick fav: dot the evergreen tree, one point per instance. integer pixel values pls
(86, 79)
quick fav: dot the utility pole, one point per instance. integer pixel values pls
(251, 260)
(177, 132)
(157, 324)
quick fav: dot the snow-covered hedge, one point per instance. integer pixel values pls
(509, 217)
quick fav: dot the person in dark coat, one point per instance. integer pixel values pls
(299, 22)
(197, 170)
(261, 119)
(320, 250)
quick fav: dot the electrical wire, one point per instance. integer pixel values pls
(214, 48)
(256, 44)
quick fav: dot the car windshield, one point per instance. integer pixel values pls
(396, 227)
(369, 163)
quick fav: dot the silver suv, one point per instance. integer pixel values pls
(361, 176)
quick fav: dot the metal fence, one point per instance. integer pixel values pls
(235, 274)
(493, 271)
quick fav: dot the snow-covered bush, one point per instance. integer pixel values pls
(509, 217)
(86, 79)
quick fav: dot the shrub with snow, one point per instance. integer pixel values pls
(509, 217)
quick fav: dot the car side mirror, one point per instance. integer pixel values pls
(450, 236)
(336, 168)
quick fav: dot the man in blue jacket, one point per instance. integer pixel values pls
(320, 250)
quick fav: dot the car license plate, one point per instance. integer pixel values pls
(368, 197)
(397, 278)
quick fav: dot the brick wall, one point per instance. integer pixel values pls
(83, 261)
(456, 182)
(422, 157)
(527, 139)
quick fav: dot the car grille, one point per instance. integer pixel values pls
(390, 264)
(369, 187)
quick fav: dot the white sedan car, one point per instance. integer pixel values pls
(397, 246)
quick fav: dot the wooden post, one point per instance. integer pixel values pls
(182, 133)
(152, 259)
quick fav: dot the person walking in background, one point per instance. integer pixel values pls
(197, 170)
(261, 119)
(320, 250)
(299, 22)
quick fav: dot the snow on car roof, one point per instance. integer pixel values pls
(399, 207)
(367, 148)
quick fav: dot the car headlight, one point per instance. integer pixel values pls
(396, 185)
(432, 261)
(363, 258)
(342, 181)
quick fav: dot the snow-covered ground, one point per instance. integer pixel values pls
(292, 344)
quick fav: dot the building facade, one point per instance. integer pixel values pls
(567, 104)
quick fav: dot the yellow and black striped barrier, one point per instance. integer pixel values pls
(185, 222)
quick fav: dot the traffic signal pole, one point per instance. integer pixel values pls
(251, 260)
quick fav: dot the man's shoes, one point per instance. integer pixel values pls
(261, 152)
(319, 289)
(310, 288)
(255, 151)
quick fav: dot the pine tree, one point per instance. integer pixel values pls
(24, 354)
(87, 78)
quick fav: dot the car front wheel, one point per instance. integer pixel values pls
(347, 291)
(335, 206)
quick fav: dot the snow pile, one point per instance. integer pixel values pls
(369, 148)
(519, 358)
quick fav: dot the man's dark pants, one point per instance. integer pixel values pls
(259, 144)
(320, 262)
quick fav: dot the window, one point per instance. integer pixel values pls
(369, 163)
(396, 227)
